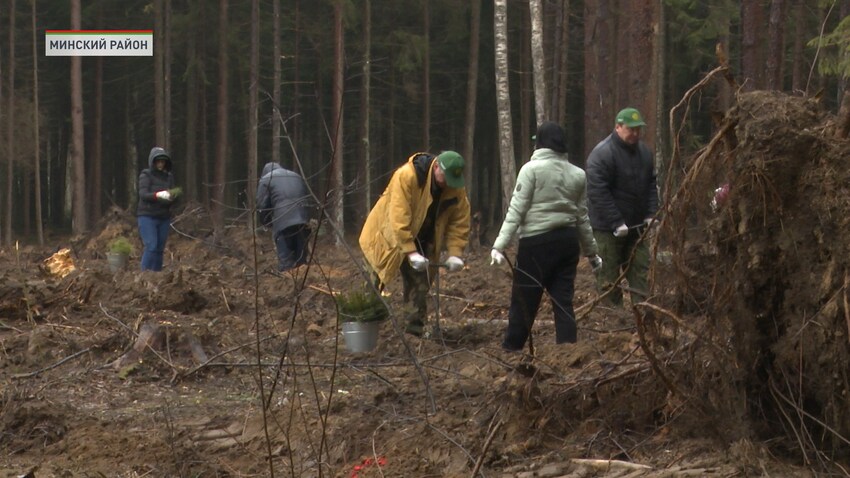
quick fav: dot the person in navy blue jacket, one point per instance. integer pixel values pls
(156, 197)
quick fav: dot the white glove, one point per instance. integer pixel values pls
(621, 231)
(417, 261)
(595, 262)
(496, 257)
(454, 264)
(164, 195)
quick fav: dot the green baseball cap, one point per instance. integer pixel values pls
(630, 117)
(452, 165)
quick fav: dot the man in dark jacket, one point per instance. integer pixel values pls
(156, 196)
(622, 201)
(282, 204)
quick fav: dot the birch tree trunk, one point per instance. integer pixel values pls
(39, 228)
(527, 118)
(471, 101)
(335, 209)
(503, 101)
(658, 71)
(79, 223)
(539, 61)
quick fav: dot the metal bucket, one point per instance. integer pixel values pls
(116, 262)
(360, 336)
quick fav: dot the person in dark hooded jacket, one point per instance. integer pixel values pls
(156, 197)
(283, 205)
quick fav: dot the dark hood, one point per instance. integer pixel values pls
(158, 152)
(551, 135)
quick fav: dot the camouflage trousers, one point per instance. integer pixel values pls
(615, 253)
(416, 285)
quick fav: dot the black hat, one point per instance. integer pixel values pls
(551, 135)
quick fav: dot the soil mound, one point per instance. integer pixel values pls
(764, 278)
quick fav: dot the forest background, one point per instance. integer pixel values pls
(344, 91)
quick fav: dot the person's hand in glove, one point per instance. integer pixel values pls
(454, 264)
(595, 262)
(621, 231)
(417, 261)
(496, 257)
(163, 195)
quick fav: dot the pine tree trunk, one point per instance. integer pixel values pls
(336, 184)
(642, 81)
(10, 127)
(426, 77)
(220, 168)
(277, 77)
(131, 168)
(39, 228)
(752, 21)
(775, 45)
(253, 107)
(97, 145)
(78, 158)
(158, 73)
(797, 60)
(471, 102)
(503, 101)
(598, 104)
(363, 199)
(296, 94)
(391, 144)
(192, 92)
(2, 223)
(166, 80)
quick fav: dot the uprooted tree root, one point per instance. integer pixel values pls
(754, 337)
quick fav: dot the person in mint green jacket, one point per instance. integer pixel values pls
(548, 211)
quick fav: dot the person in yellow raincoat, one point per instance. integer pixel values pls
(423, 212)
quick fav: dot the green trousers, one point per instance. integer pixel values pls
(615, 253)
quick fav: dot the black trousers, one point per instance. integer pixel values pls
(544, 262)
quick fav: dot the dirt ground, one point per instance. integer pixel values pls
(246, 373)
